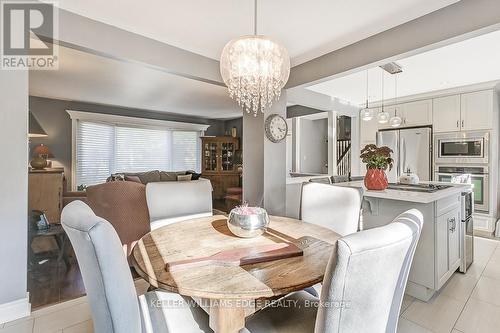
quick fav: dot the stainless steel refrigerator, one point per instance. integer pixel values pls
(412, 150)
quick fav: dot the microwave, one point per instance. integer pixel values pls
(462, 147)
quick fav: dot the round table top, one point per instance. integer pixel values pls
(209, 235)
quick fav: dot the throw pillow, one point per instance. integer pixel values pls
(134, 179)
(183, 178)
(194, 175)
(149, 177)
(166, 176)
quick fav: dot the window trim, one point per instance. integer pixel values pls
(125, 121)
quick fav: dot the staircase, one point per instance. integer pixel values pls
(344, 157)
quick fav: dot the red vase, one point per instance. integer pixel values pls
(376, 179)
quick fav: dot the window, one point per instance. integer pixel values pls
(102, 149)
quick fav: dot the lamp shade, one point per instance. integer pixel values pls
(42, 150)
(35, 130)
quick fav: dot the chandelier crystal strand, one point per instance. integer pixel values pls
(255, 69)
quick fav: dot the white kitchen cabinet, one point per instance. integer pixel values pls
(441, 248)
(446, 114)
(417, 113)
(454, 240)
(477, 110)
(448, 245)
(368, 130)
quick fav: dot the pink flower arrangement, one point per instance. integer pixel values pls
(244, 209)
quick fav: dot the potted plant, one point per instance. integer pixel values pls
(377, 160)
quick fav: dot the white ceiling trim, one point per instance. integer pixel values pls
(135, 122)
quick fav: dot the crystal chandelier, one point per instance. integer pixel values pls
(255, 69)
(367, 114)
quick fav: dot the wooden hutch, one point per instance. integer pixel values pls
(218, 163)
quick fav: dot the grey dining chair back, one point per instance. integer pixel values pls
(333, 207)
(364, 283)
(105, 271)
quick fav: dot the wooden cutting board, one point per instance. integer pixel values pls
(241, 256)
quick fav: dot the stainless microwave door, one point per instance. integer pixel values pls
(415, 151)
(391, 140)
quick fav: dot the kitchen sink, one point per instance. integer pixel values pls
(427, 188)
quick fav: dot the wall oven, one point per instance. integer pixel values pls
(479, 180)
(462, 147)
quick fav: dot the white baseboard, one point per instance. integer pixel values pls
(15, 310)
(484, 222)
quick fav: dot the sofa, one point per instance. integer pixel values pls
(138, 177)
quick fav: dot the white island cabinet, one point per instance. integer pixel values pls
(438, 251)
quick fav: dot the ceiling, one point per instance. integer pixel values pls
(90, 78)
(306, 28)
(472, 61)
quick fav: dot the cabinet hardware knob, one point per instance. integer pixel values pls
(462, 124)
(458, 124)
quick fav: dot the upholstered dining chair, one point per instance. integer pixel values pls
(110, 289)
(333, 207)
(363, 286)
(171, 202)
(123, 204)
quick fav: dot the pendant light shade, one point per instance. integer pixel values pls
(383, 117)
(396, 120)
(367, 114)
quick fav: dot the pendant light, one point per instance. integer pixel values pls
(396, 120)
(383, 116)
(254, 69)
(367, 114)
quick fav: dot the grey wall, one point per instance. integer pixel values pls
(313, 146)
(264, 162)
(52, 115)
(253, 159)
(300, 110)
(238, 123)
(13, 187)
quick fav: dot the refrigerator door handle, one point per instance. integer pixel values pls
(403, 144)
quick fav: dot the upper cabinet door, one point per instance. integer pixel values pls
(417, 113)
(446, 114)
(477, 110)
(368, 129)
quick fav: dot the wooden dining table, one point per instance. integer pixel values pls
(231, 293)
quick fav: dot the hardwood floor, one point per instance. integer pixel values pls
(51, 282)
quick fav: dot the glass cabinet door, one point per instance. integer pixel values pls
(210, 156)
(227, 156)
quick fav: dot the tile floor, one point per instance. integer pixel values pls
(467, 304)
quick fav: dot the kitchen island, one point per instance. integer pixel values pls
(437, 255)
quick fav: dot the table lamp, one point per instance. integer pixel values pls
(40, 155)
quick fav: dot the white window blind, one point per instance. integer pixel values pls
(103, 149)
(186, 150)
(141, 149)
(94, 153)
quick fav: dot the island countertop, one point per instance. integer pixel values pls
(410, 196)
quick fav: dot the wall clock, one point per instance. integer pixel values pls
(276, 128)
